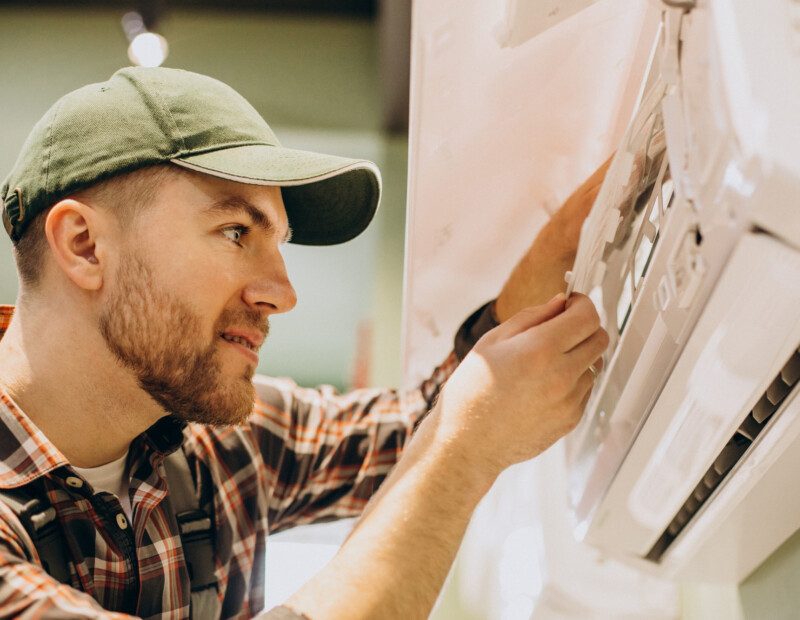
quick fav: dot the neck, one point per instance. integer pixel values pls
(57, 368)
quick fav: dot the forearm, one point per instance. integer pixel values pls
(521, 388)
(396, 560)
(549, 260)
(540, 274)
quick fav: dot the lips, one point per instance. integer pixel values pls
(251, 341)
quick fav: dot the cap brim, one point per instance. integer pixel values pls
(328, 199)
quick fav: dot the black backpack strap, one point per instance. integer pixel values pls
(197, 536)
(38, 518)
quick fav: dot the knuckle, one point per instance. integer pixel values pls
(486, 340)
(586, 312)
(592, 318)
(596, 320)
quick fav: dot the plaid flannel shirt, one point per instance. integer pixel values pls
(303, 456)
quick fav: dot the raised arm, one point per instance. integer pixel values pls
(523, 386)
(539, 275)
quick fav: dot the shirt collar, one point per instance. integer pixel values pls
(26, 453)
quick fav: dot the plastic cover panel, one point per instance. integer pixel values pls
(499, 137)
(655, 448)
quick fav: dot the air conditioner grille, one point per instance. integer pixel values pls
(733, 451)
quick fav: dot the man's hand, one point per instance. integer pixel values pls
(526, 383)
(540, 274)
(523, 386)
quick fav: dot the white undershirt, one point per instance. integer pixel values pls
(111, 478)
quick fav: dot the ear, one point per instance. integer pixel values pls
(73, 229)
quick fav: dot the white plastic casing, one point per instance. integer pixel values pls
(714, 318)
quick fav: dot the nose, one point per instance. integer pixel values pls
(270, 291)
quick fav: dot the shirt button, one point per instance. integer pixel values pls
(74, 482)
(122, 521)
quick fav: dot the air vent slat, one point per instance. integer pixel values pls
(763, 409)
(733, 451)
(701, 491)
(791, 372)
(777, 390)
(712, 478)
(673, 528)
(750, 427)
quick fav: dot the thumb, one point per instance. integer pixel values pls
(532, 316)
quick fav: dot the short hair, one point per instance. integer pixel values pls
(125, 195)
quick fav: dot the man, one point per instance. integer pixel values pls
(148, 214)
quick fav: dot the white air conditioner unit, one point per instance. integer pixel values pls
(685, 460)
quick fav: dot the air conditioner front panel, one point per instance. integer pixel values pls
(750, 516)
(728, 362)
(668, 448)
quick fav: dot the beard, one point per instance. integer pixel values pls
(158, 337)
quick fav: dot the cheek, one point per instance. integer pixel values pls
(204, 280)
(195, 268)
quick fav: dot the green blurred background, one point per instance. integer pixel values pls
(316, 80)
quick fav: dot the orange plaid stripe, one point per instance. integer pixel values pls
(303, 456)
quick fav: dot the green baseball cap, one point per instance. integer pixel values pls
(147, 116)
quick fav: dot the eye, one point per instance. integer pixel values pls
(235, 233)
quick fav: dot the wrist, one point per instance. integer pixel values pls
(453, 451)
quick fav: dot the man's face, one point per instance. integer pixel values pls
(187, 305)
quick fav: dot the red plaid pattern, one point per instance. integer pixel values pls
(303, 456)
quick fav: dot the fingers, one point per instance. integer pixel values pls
(587, 352)
(579, 368)
(577, 323)
(586, 383)
(585, 398)
(532, 316)
(595, 368)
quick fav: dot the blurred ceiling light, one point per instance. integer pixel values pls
(146, 49)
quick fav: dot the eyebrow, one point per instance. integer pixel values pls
(236, 204)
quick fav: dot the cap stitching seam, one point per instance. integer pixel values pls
(354, 166)
(168, 112)
(223, 146)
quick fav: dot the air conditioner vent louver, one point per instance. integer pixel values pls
(733, 451)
